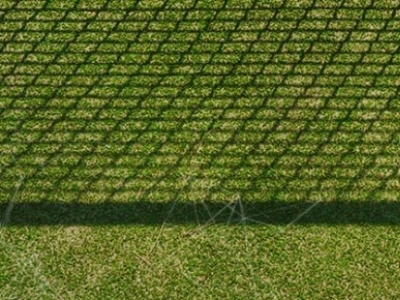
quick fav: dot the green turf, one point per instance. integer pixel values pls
(199, 149)
(237, 262)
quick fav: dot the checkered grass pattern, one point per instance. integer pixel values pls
(196, 100)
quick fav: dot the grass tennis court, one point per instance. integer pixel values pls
(199, 149)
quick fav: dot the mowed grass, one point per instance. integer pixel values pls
(199, 149)
(228, 262)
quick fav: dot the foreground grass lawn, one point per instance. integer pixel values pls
(199, 149)
(224, 262)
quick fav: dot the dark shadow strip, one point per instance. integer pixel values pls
(154, 213)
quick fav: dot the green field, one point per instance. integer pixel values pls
(199, 149)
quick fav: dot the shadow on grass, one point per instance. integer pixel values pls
(150, 213)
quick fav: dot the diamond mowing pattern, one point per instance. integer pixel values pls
(194, 100)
